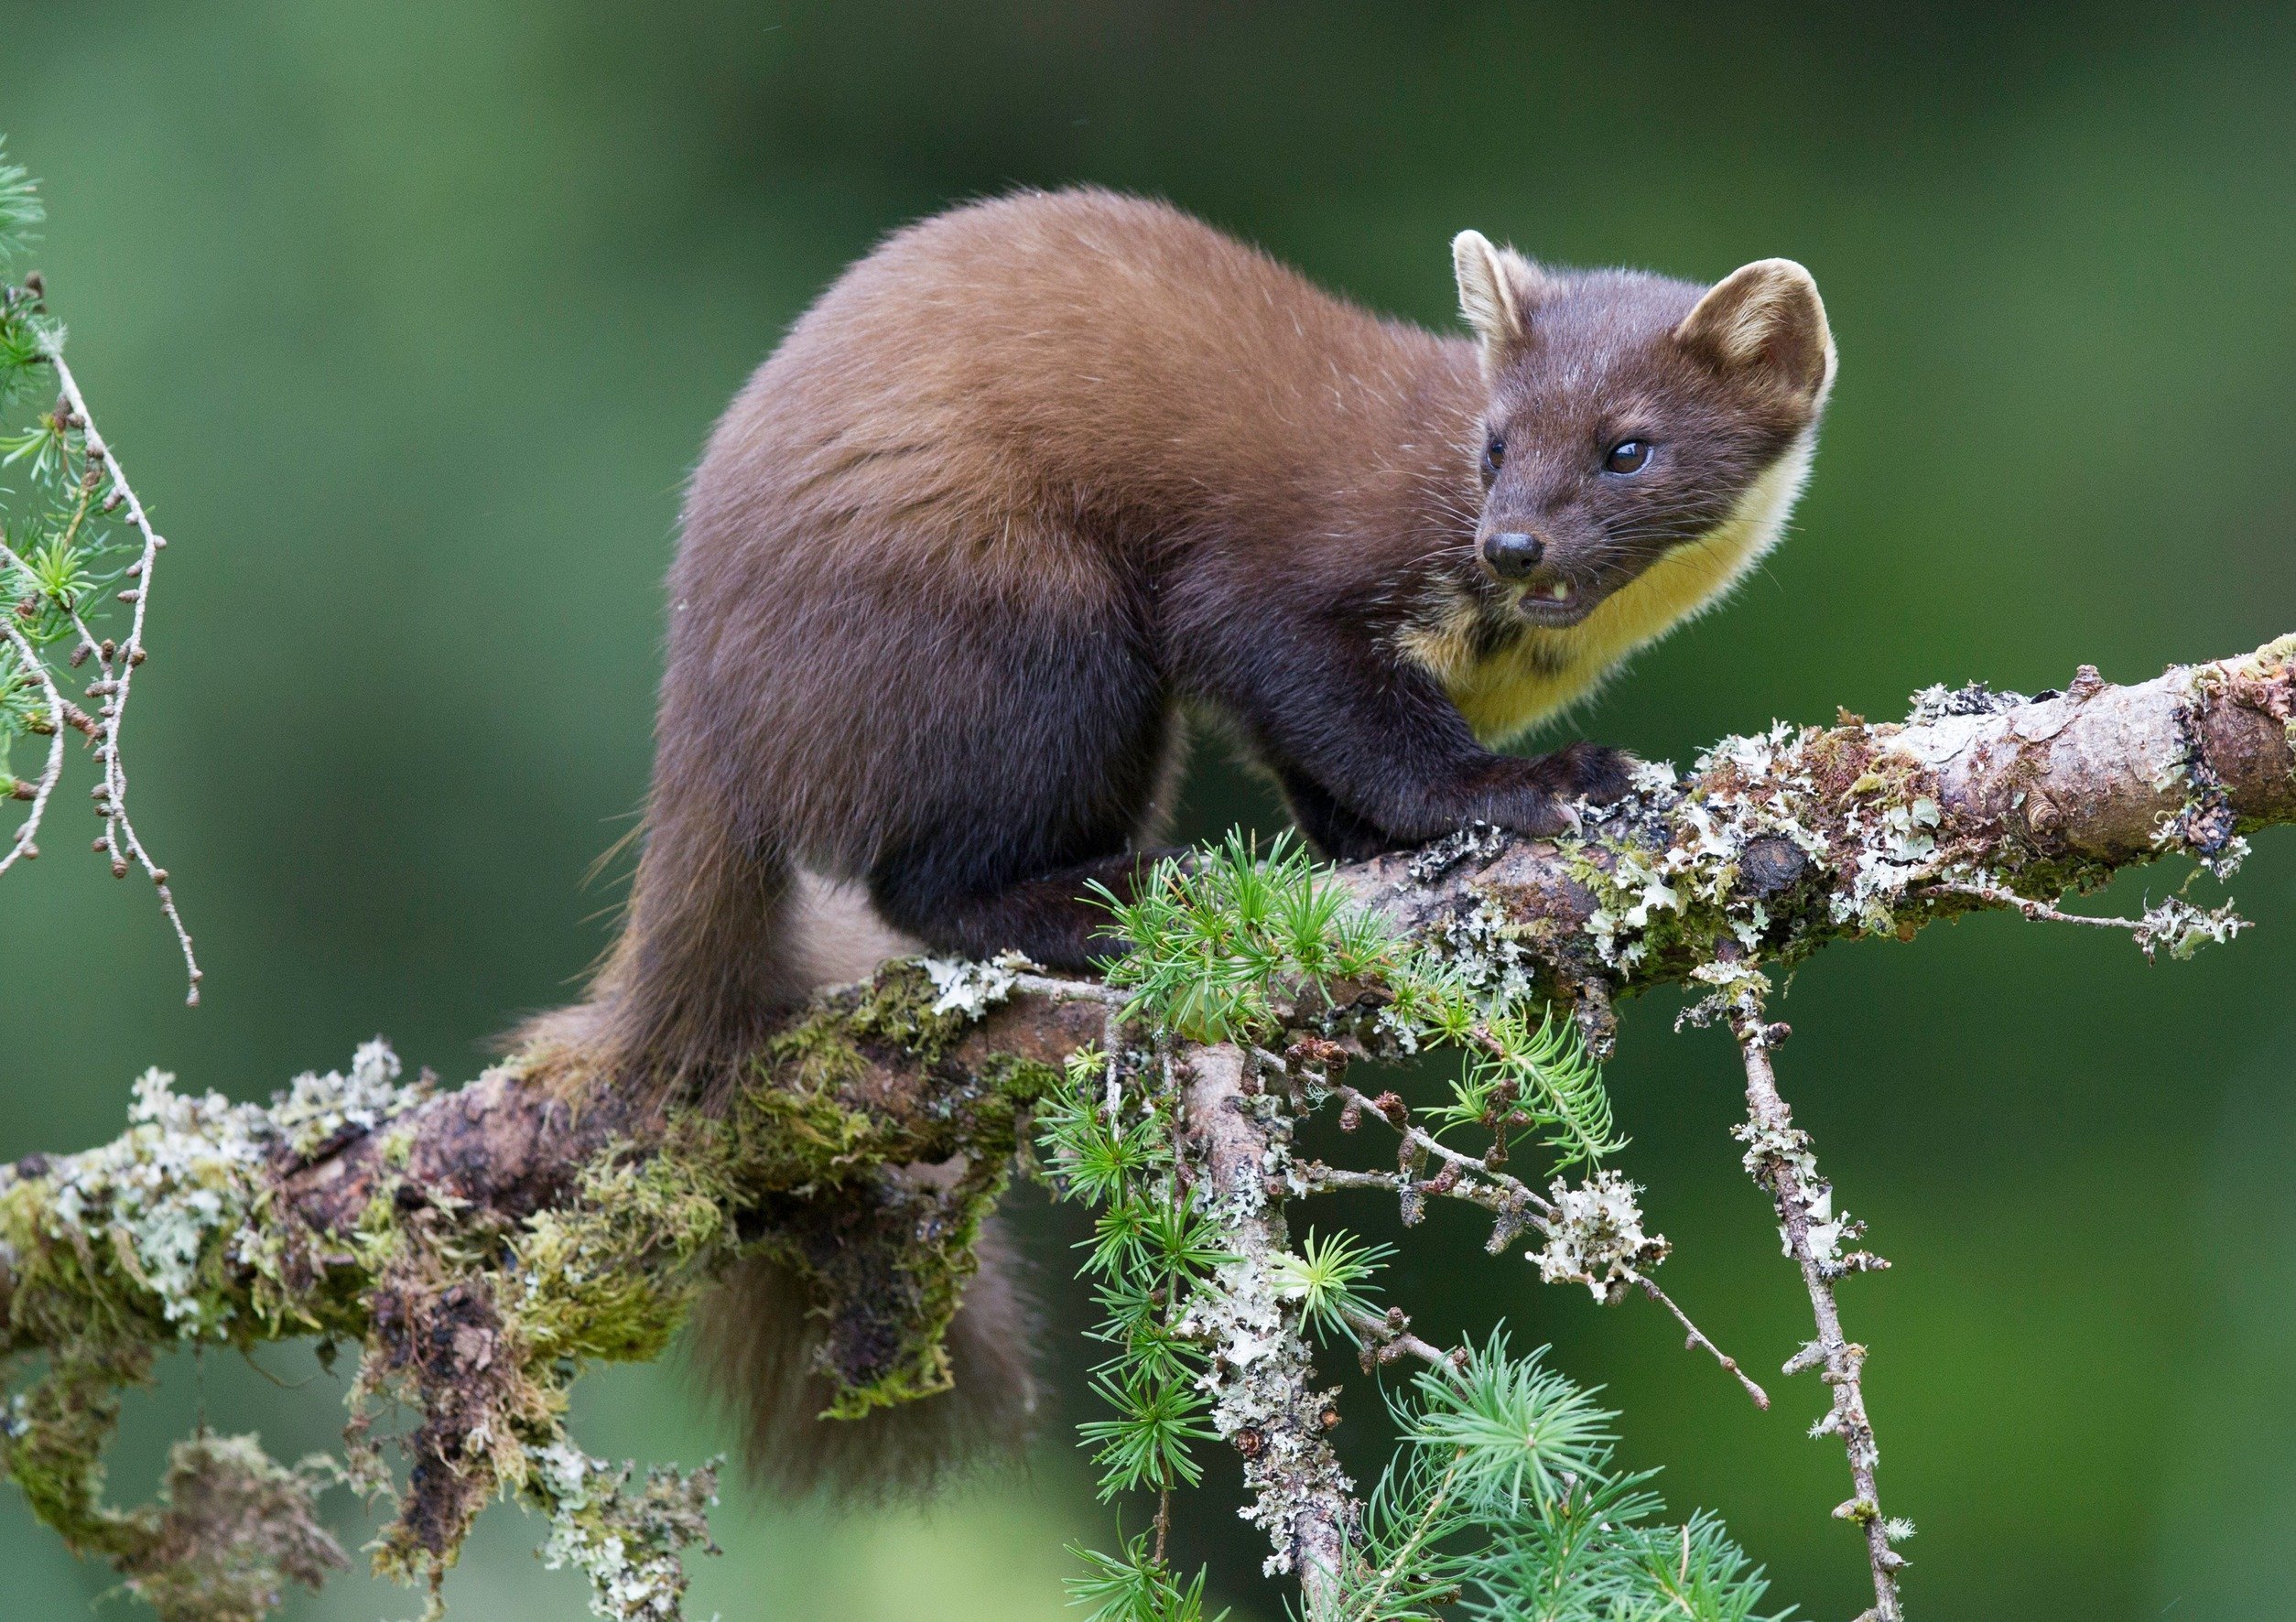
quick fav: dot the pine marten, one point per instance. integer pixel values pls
(1044, 474)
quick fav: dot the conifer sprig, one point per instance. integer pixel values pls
(1151, 1247)
(1502, 1506)
(1215, 937)
(1329, 1281)
(1135, 1586)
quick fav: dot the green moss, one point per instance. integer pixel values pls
(895, 1015)
(796, 1133)
(52, 1439)
(611, 1275)
(929, 1242)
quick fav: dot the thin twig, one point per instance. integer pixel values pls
(2040, 911)
(29, 656)
(1698, 1340)
(1418, 1140)
(1382, 1340)
(1779, 1156)
(1490, 1196)
(118, 667)
(1503, 1195)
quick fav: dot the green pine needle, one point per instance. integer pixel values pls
(1146, 1444)
(1501, 1507)
(1538, 1077)
(1516, 1428)
(1215, 935)
(1329, 1281)
(1135, 1587)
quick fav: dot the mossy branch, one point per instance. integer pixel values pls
(484, 1244)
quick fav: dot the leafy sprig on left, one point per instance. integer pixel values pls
(77, 549)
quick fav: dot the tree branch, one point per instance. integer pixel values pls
(484, 1245)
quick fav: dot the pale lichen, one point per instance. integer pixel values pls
(1780, 1157)
(319, 1111)
(167, 1198)
(1935, 703)
(629, 1545)
(969, 990)
(1595, 1237)
(1259, 1372)
(2183, 928)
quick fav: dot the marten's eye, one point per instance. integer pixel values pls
(1628, 456)
(1494, 453)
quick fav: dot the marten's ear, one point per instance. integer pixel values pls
(1498, 289)
(1767, 319)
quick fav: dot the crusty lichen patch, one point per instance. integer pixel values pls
(629, 1545)
(234, 1529)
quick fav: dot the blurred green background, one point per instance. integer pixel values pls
(408, 318)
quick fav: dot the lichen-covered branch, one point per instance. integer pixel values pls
(1265, 1400)
(1775, 844)
(482, 1246)
(1779, 1156)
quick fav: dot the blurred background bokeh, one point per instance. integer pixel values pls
(408, 319)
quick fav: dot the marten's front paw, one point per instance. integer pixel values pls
(1535, 795)
(1588, 771)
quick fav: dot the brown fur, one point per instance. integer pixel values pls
(1042, 472)
(760, 1344)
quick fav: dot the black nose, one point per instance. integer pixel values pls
(1512, 554)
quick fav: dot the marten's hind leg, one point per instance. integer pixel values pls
(1033, 766)
(1058, 920)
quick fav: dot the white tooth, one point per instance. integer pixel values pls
(1559, 593)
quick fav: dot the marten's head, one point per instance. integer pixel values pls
(1633, 422)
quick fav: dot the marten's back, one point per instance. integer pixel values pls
(1087, 354)
(966, 457)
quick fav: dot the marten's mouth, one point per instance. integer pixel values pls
(1555, 602)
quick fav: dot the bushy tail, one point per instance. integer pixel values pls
(723, 937)
(762, 1352)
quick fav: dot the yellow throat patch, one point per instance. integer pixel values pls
(1506, 693)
